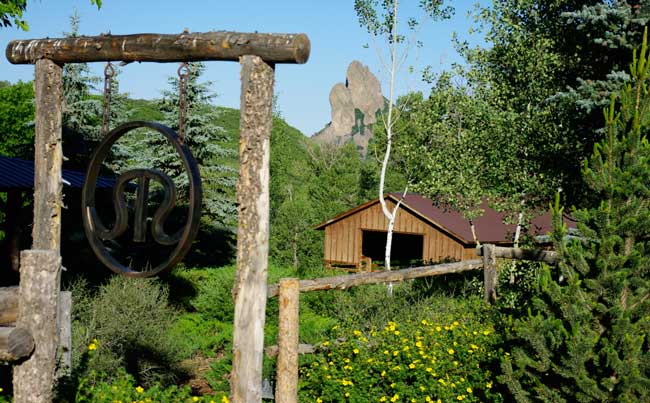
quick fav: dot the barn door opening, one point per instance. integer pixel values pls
(407, 248)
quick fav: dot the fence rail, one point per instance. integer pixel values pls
(287, 352)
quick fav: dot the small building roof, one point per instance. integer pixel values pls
(489, 227)
(18, 174)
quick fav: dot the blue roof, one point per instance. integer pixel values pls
(16, 173)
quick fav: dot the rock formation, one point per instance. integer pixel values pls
(355, 106)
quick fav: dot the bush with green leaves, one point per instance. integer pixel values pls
(440, 357)
(127, 322)
(124, 388)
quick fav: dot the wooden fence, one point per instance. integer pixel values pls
(288, 291)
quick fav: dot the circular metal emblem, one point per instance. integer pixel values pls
(98, 234)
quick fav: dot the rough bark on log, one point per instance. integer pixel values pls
(286, 390)
(8, 298)
(38, 308)
(489, 273)
(253, 230)
(48, 156)
(8, 305)
(189, 47)
(352, 280)
(539, 255)
(15, 343)
(8, 316)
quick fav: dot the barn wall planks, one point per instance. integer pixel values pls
(343, 238)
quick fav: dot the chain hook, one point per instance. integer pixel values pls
(183, 76)
(109, 73)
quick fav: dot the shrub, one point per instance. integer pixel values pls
(124, 388)
(128, 323)
(432, 360)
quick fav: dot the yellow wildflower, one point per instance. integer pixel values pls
(469, 389)
(195, 399)
(319, 400)
(92, 347)
(356, 351)
(394, 398)
(357, 333)
(139, 389)
(411, 365)
(451, 351)
(383, 399)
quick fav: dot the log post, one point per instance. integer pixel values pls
(15, 343)
(253, 229)
(490, 273)
(286, 390)
(40, 273)
(48, 156)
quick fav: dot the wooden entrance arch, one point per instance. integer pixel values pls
(40, 275)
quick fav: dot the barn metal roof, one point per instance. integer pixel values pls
(489, 227)
(16, 173)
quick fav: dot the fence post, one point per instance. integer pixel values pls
(490, 273)
(286, 390)
(253, 230)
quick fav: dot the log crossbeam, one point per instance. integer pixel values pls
(184, 47)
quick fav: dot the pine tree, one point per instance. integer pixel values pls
(585, 339)
(81, 112)
(205, 140)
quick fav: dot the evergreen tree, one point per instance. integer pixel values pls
(81, 112)
(205, 139)
(585, 339)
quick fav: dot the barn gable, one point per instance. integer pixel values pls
(422, 231)
(358, 235)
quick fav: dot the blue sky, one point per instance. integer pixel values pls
(303, 90)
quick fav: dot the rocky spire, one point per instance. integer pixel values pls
(355, 106)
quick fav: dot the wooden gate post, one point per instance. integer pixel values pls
(48, 156)
(253, 229)
(40, 273)
(490, 273)
(286, 389)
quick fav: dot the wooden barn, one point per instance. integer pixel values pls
(423, 232)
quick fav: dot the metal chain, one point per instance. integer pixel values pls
(109, 72)
(183, 75)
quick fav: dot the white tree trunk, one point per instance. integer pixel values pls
(388, 124)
